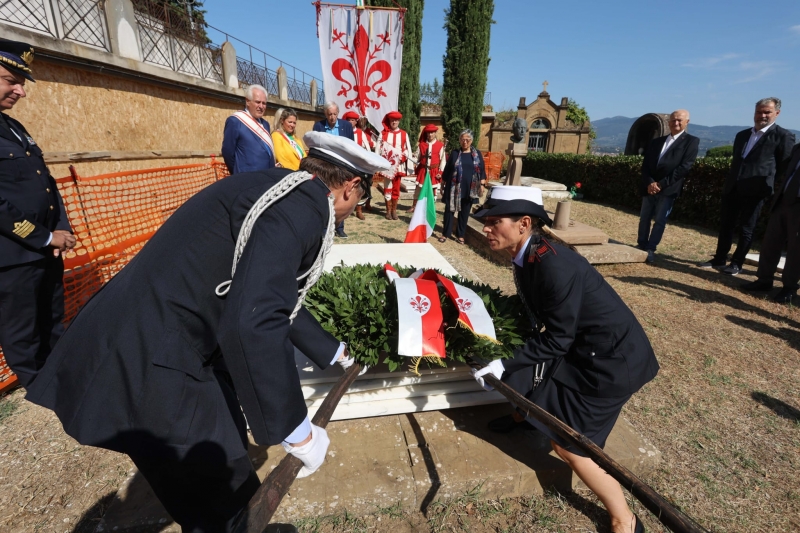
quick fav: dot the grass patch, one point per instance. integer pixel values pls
(7, 408)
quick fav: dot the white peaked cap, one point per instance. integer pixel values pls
(517, 192)
(345, 153)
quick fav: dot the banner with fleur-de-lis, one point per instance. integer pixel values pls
(421, 324)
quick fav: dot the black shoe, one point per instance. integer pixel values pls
(712, 264)
(651, 256)
(341, 233)
(639, 527)
(507, 424)
(785, 296)
(732, 270)
(758, 285)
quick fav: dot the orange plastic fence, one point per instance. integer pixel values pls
(113, 216)
(494, 164)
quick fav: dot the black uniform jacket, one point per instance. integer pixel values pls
(592, 342)
(140, 357)
(30, 205)
(671, 170)
(754, 175)
(793, 160)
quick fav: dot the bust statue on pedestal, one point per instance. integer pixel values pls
(517, 148)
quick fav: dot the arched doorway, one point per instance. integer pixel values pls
(645, 129)
(538, 134)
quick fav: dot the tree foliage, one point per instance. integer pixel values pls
(579, 116)
(466, 63)
(720, 151)
(408, 104)
(431, 93)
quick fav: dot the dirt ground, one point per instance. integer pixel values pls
(724, 410)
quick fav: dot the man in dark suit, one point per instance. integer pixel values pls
(593, 351)
(34, 231)
(666, 163)
(335, 126)
(246, 142)
(158, 362)
(782, 232)
(759, 154)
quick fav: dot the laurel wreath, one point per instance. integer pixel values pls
(358, 305)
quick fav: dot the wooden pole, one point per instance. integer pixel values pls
(666, 513)
(265, 501)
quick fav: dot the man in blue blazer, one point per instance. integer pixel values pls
(246, 142)
(759, 154)
(666, 163)
(335, 126)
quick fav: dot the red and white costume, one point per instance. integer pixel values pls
(364, 139)
(395, 147)
(430, 156)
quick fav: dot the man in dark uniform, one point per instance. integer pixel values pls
(34, 230)
(157, 364)
(593, 351)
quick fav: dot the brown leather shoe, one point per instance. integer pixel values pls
(394, 210)
(388, 210)
(359, 214)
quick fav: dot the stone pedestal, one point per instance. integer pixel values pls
(515, 151)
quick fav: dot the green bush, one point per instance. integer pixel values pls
(720, 151)
(614, 180)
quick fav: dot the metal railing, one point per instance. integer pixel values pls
(82, 21)
(487, 98)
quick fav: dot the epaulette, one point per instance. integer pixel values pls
(538, 251)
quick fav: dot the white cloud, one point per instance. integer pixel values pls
(755, 70)
(795, 29)
(709, 62)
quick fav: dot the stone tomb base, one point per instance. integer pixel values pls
(411, 459)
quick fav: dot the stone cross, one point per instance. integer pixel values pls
(544, 85)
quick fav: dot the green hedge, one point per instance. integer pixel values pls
(614, 180)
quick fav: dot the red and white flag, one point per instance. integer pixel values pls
(421, 327)
(472, 314)
(361, 52)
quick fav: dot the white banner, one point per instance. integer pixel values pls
(361, 52)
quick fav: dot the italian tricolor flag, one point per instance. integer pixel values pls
(424, 218)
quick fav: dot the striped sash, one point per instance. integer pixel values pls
(256, 127)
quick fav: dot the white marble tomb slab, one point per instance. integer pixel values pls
(380, 392)
(752, 259)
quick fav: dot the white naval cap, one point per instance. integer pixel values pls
(516, 192)
(343, 152)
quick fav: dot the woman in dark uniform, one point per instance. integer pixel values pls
(463, 180)
(594, 351)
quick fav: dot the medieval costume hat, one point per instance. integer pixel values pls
(509, 200)
(391, 115)
(430, 128)
(17, 57)
(349, 115)
(346, 154)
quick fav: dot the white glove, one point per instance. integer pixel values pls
(348, 361)
(311, 453)
(494, 368)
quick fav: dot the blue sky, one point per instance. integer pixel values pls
(713, 57)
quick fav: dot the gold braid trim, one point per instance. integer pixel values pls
(479, 335)
(15, 64)
(431, 358)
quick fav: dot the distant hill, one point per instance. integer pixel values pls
(612, 134)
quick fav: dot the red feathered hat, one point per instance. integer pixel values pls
(423, 136)
(350, 114)
(391, 115)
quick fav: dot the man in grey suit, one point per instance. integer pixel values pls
(759, 154)
(782, 231)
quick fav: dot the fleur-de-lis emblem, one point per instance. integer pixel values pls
(463, 304)
(420, 303)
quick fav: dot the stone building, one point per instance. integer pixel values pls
(645, 129)
(549, 130)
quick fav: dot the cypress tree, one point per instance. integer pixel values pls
(466, 63)
(408, 104)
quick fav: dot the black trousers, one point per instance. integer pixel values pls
(783, 233)
(31, 314)
(463, 217)
(203, 491)
(737, 211)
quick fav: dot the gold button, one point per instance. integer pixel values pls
(48, 189)
(28, 154)
(39, 172)
(10, 155)
(51, 208)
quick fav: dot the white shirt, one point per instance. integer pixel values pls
(669, 142)
(519, 258)
(755, 135)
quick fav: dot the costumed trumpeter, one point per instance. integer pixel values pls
(394, 146)
(158, 362)
(34, 231)
(592, 354)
